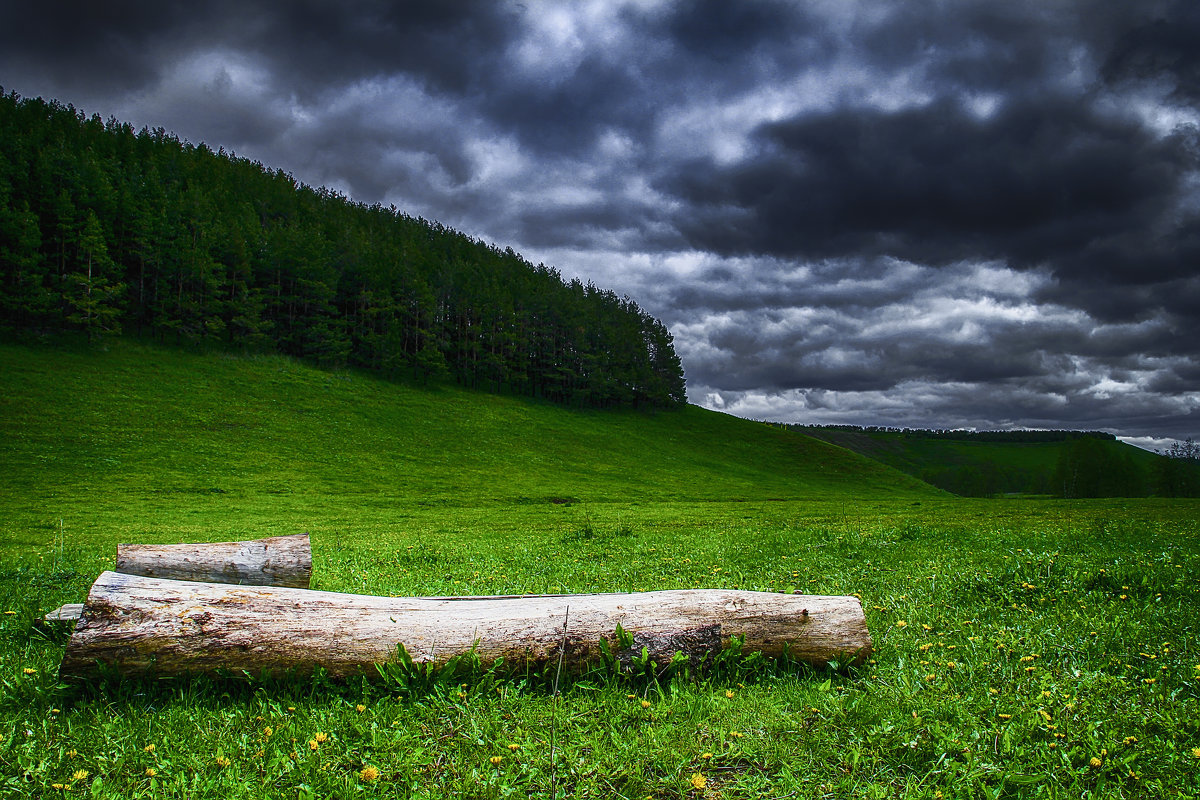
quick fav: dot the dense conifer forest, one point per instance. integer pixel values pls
(105, 229)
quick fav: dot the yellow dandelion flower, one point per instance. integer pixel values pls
(222, 761)
(1095, 763)
(80, 775)
(1005, 717)
(360, 708)
(729, 694)
(514, 747)
(148, 748)
(735, 734)
(72, 753)
(29, 671)
(1128, 740)
(151, 772)
(706, 756)
(58, 786)
(646, 704)
(634, 696)
(268, 732)
(1196, 752)
(901, 623)
(312, 744)
(698, 781)
(496, 760)
(368, 774)
(320, 737)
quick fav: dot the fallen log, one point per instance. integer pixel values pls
(138, 625)
(275, 561)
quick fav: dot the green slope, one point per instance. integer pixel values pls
(981, 468)
(142, 425)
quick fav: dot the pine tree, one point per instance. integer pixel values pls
(93, 300)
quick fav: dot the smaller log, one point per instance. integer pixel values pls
(275, 561)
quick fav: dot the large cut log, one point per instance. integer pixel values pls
(139, 625)
(276, 561)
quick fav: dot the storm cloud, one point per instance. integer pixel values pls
(968, 214)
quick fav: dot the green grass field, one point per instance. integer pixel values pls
(1023, 648)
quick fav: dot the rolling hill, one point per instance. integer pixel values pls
(142, 424)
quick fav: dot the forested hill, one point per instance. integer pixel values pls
(104, 228)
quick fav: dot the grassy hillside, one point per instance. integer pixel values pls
(151, 423)
(983, 468)
(1022, 648)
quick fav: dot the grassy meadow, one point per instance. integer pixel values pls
(1023, 648)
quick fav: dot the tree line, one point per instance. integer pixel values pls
(1085, 463)
(958, 435)
(105, 229)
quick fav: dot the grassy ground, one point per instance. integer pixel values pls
(1023, 648)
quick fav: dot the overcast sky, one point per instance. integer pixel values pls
(925, 214)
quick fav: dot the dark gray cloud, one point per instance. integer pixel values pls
(953, 214)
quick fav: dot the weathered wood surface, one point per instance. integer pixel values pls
(275, 561)
(140, 625)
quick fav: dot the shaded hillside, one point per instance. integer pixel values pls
(105, 229)
(142, 424)
(1058, 463)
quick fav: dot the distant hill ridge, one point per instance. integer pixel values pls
(106, 229)
(961, 435)
(1059, 463)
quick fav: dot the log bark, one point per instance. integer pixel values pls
(276, 561)
(138, 625)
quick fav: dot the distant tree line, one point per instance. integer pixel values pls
(955, 435)
(1088, 463)
(106, 229)
(1088, 468)
(1179, 470)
